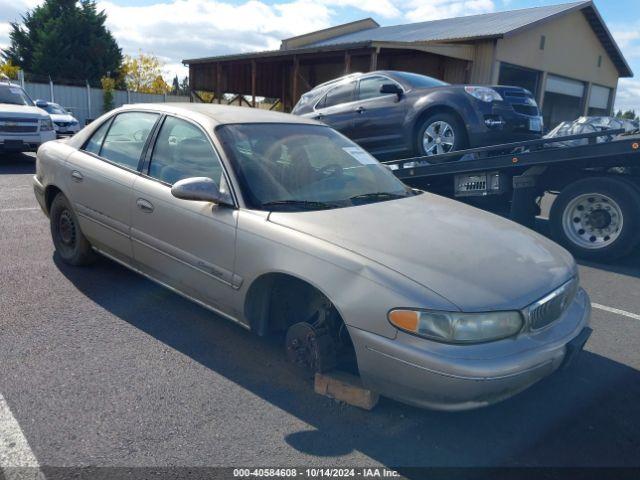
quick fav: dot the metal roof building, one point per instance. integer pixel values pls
(564, 53)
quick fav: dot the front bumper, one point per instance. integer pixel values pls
(511, 126)
(25, 142)
(459, 377)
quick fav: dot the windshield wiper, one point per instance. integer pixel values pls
(308, 204)
(377, 195)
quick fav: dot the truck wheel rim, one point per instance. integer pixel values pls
(438, 138)
(592, 221)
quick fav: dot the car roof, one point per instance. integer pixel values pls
(221, 114)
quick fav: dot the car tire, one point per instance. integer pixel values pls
(69, 241)
(444, 125)
(597, 218)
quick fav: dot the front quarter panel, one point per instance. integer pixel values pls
(362, 291)
(51, 168)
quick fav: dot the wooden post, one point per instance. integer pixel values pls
(347, 62)
(374, 59)
(253, 83)
(294, 84)
(218, 92)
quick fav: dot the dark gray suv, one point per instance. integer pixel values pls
(398, 114)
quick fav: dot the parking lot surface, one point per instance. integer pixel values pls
(102, 367)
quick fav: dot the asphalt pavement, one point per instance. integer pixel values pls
(100, 367)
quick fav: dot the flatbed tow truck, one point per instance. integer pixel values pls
(596, 213)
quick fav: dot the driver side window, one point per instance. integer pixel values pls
(182, 150)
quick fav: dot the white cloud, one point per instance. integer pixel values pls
(423, 10)
(628, 95)
(382, 8)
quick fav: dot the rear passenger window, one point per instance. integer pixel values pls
(182, 150)
(95, 142)
(126, 138)
(340, 94)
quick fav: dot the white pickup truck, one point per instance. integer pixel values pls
(23, 126)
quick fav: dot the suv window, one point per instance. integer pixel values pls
(182, 150)
(370, 87)
(14, 95)
(341, 94)
(126, 138)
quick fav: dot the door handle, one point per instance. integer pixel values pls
(360, 109)
(319, 116)
(76, 176)
(144, 205)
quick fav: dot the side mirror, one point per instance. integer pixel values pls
(201, 189)
(391, 88)
(41, 103)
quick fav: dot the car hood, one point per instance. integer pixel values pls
(476, 260)
(21, 111)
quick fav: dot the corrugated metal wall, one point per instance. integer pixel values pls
(87, 103)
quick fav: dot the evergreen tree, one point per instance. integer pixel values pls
(64, 39)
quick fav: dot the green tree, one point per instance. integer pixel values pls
(108, 86)
(64, 39)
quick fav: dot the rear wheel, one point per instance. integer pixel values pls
(441, 133)
(597, 218)
(70, 243)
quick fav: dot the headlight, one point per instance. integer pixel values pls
(457, 327)
(46, 124)
(484, 94)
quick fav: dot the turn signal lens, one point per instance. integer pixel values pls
(457, 327)
(405, 319)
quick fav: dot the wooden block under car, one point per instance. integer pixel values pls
(346, 388)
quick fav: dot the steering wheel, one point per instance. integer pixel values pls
(332, 170)
(139, 135)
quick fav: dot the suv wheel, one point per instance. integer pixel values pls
(441, 133)
(70, 243)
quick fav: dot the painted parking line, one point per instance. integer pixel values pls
(617, 311)
(18, 209)
(17, 461)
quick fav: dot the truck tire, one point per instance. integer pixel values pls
(72, 246)
(441, 133)
(597, 218)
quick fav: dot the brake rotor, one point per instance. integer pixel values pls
(310, 348)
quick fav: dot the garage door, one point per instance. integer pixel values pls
(562, 100)
(599, 100)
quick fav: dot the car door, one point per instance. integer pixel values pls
(379, 122)
(335, 108)
(101, 176)
(188, 245)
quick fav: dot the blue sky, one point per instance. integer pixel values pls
(177, 29)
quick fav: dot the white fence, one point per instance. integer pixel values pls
(87, 103)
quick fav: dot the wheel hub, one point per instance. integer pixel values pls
(592, 220)
(310, 348)
(67, 228)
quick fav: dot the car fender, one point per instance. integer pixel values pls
(362, 290)
(455, 100)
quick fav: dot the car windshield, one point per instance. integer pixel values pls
(14, 95)
(419, 81)
(55, 109)
(305, 167)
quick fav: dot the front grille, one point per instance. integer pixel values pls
(18, 128)
(63, 124)
(550, 308)
(526, 109)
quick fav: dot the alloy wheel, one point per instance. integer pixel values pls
(438, 138)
